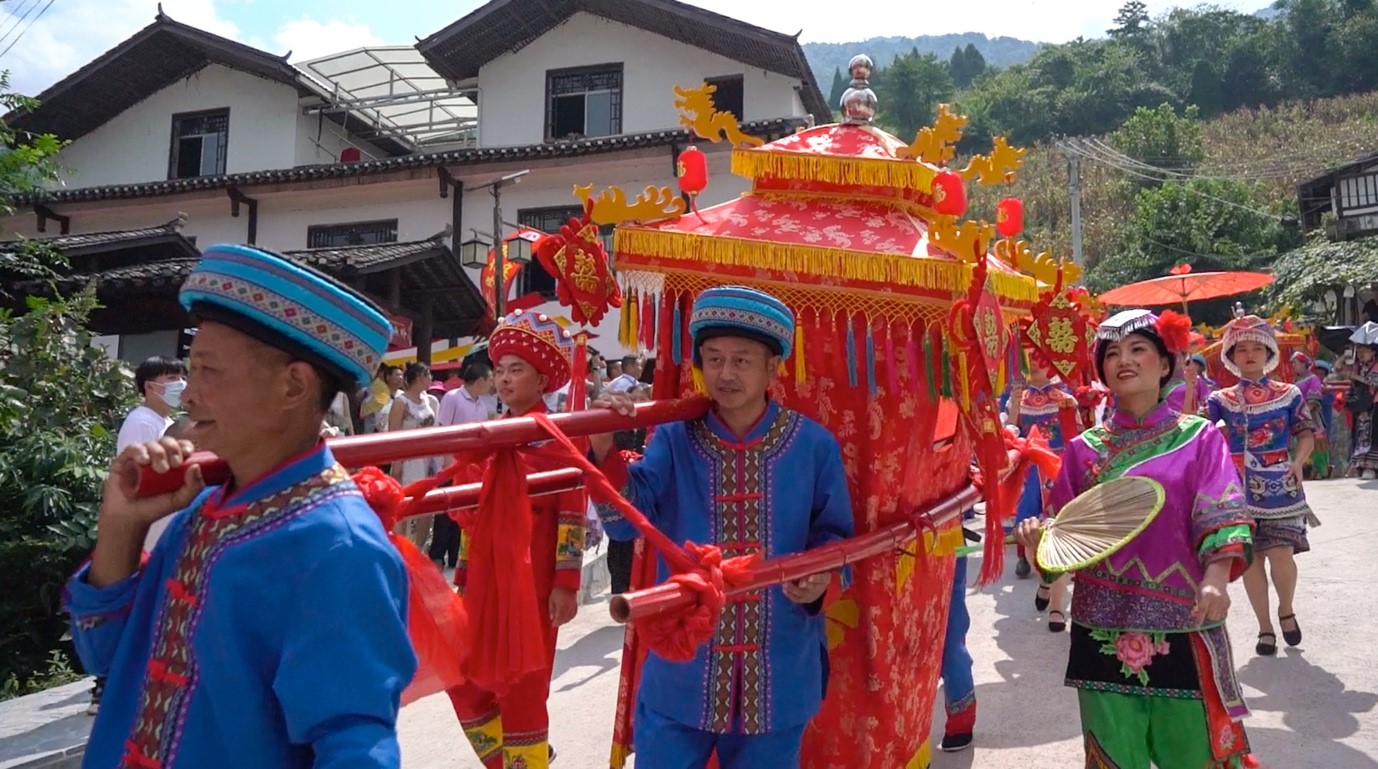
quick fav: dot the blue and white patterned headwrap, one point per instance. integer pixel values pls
(742, 312)
(291, 307)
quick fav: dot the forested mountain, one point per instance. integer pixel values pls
(824, 58)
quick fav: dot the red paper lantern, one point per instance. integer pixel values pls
(949, 194)
(693, 171)
(1009, 217)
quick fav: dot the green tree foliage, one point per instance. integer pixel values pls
(1160, 137)
(60, 399)
(910, 91)
(840, 83)
(1216, 59)
(26, 159)
(966, 65)
(1211, 224)
(1131, 21)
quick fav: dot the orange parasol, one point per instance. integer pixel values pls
(1184, 286)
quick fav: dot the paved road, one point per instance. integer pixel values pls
(1314, 707)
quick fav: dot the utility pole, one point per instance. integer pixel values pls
(1074, 197)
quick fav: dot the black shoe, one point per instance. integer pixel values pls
(96, 692)
(1022, 569)
(1266, 648)
(955, 742)
(1293, 636)
(1058, 625)
(1042, 598)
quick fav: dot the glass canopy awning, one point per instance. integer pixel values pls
(394, 93)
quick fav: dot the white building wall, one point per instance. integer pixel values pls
(285, 216)
(512, 108)
(135, 146)
(320, 140)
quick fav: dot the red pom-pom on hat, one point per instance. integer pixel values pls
(1175, 330)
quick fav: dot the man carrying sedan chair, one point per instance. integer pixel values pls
(751, 476)
(268, 627)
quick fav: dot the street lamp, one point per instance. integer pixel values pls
(474, 252)
(518, 250)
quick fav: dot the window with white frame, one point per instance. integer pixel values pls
(1359, 193)
(583, 102)
(199, 141)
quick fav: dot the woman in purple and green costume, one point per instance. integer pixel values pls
(1149, 654)
(1262, 417)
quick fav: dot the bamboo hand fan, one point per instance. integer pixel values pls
(1099, 522)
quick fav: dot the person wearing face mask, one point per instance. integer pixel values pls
(1150, 656)
(160, 381)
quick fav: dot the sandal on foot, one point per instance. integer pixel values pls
(1268, 648)
(1292, 637)
(1042, 598)
(1058, 625)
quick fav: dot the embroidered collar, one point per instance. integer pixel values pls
(1123, 420)
(295, 470)
(757, 431)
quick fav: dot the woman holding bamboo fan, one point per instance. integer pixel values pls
(1149, 653)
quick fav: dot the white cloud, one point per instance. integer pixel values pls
(74, 32)
(308, 38)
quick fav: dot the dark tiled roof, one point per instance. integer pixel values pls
(363, 260)
(155, 57)
(429, 272)
(465, 157)
(98, 242)
(505, 26)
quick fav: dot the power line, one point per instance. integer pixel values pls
(26, 29)
(1080, 148)
(13, 18)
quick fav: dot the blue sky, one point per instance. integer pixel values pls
(58, 36)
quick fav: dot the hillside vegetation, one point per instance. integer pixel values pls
(1252, 157)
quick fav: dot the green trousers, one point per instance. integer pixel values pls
(1125, 731)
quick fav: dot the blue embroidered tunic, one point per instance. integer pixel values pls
(1260, 419)
(267, 629)
(781, 490)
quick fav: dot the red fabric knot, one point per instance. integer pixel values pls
(179, 591)
(382, 492)
(134, 757)
(158, 671)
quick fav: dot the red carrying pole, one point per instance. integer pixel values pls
(466, 495)
(383, 448)
(630, 607)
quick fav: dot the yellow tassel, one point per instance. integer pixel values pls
(964, 382)
(677, 249)
(629, 333)
(699, 385)
(921, 757)
(831, 169)
(798, 352)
